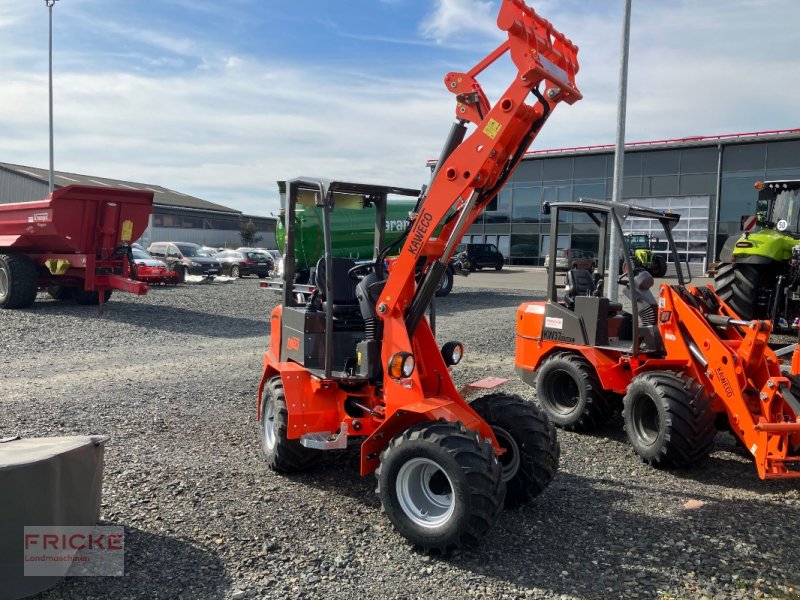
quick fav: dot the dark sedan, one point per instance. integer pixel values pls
(238, 263)
(185, 259)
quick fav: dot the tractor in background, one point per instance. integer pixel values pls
(759, 275)
(641, 247)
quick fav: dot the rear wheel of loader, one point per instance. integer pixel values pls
(530, 460)
(737, 284)
(668, 419)
(440, 485)
(570, 392)
(18, 281)
(283, 455)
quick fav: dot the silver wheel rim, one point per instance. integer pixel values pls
(510, 459)
(269, 425)
(3, 283)
(425, 493)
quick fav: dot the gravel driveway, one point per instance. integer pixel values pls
(172, 378)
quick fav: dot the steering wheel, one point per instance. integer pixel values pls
(360, 271)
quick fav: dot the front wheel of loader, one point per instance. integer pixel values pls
(737, 284)
(668, 419)
(571, 394)
(283, 455)
(530, 460)
(440, 485)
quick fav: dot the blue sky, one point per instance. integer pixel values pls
(222, 98)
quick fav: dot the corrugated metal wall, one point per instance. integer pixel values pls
(17, 188)
(208, 237)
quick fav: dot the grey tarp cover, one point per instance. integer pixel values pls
(44, 481)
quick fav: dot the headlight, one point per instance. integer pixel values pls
(401, 365)
(452, 352)
(279, 268)
(194, 264)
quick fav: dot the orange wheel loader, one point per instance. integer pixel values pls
(681, 360)
(358, 362)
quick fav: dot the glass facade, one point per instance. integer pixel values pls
(682, 176)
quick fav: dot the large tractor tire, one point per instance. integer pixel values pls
(441, 486)
(658, 268)
(668, 419)
(90, 298)
(530, 460)
(19, 281)
(446, 283)
(737, 284)
(283, 455)
(571, 394)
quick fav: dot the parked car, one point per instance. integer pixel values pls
(238, 263)
(484, 255)
(572, 258)
(211, 251)
(185, 259)
(149, 269)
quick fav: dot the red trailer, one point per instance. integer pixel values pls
(75, 243)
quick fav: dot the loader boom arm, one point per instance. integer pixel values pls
(473, 168)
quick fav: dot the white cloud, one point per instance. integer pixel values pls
(451, 20)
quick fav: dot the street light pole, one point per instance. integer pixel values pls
(49, 4)
(619, 152)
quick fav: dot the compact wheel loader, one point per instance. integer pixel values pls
(359, 362)
(641, 248)
(680, 359)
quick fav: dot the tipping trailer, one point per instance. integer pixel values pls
(75, 244)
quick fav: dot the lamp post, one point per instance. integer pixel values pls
(49, 4)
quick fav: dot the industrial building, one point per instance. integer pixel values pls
(708, 180)
(176, 216)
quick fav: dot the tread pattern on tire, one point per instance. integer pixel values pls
(598, 406)
(737, 285)
(537, 436)
(483, 473)
(690, 420)
(288, 456)
(23, 281)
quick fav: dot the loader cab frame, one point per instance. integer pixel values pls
(605, 215)
(307, 334)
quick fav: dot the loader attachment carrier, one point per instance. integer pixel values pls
(359, 360)
(683, 361)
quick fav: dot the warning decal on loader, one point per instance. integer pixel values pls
(554, 322)
(492, 128)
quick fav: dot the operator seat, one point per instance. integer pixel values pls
(580, 282)
(343, 287)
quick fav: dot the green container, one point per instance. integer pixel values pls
(352, 231)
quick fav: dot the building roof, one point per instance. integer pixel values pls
(708, 140)
(163, 196)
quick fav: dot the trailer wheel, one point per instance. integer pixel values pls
(737, 284)
(440, 485)
(571, 394)
(283, 455)
(446, 284)
(61, 292)
(90, 298)
(19, 281)
(531, 446)
(668, 419)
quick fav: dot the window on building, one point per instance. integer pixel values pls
(526, 203)
(699, 160)
(557, 168)
(662, 162)
(747, 157)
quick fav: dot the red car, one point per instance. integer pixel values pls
(150, 270)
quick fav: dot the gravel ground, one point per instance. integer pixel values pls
(172, 378)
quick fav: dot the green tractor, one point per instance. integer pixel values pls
(641, 247)
(758, 276)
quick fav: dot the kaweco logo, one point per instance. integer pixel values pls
(725, 383)
(418, 233)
